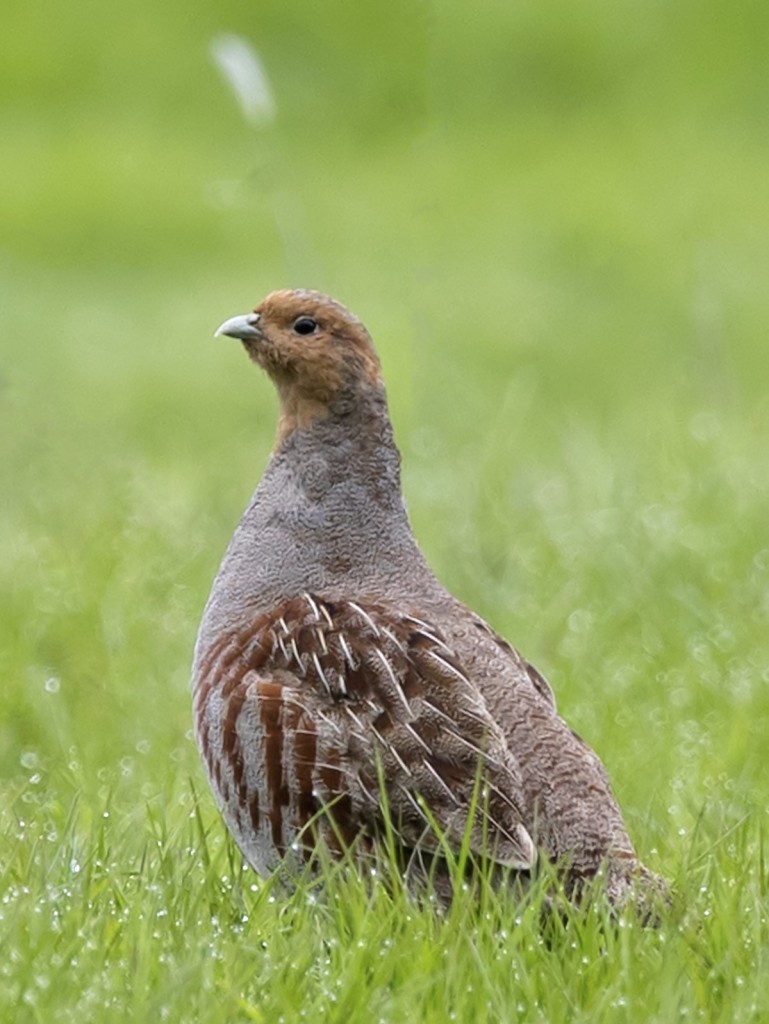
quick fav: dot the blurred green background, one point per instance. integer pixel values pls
(555, 221)
(554, 218)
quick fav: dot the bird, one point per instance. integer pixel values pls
(342, 697)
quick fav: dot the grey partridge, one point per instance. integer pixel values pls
(339, 689)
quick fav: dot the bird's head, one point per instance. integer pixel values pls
(319, 356)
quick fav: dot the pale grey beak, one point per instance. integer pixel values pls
(243, 327)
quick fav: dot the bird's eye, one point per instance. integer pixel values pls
(305, 325)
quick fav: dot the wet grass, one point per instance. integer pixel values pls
(139, 912)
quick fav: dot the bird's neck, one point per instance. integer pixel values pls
(327, 517)
(334, 490)
(338, 457)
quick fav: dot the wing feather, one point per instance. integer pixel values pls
(319, 704)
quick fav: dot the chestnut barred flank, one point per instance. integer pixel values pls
(317, 704)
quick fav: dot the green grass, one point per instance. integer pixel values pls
(555, 222)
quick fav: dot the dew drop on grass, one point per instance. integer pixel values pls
(52, 684)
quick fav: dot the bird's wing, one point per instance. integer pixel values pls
(541, 685)
(347, 711)
(533, 674)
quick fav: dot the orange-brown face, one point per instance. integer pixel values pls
(316, 352)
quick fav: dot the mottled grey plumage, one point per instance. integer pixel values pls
(330, 661)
